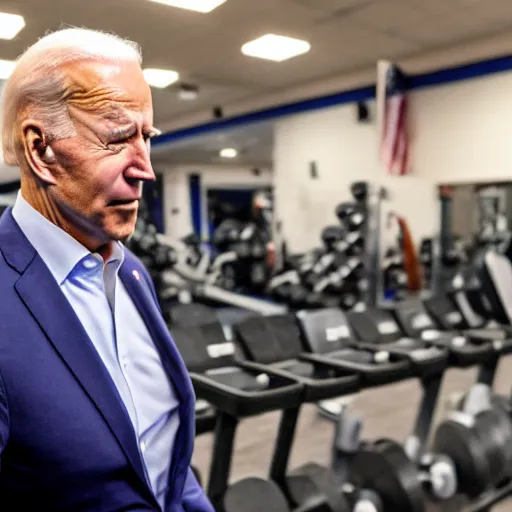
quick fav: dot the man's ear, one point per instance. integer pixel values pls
(38, 154)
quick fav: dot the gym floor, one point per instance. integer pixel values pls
(387, 412)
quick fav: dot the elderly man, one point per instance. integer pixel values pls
(96, 407)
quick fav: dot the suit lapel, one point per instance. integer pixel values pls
(64, 330)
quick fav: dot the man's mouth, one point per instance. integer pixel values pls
(123, 202)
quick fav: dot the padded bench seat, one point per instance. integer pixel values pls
(275, 341)
(222, 380)
(416, 322)
(330, 341)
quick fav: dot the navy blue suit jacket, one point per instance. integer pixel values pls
(66, 440)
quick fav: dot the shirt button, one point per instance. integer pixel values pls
(143, 446)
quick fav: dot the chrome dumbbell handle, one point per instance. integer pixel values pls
(439, 475)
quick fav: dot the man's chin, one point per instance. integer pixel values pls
(121, 234)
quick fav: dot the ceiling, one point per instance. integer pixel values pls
(254, 143)
(345, 35)
(205, 48)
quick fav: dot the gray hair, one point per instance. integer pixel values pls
(39, 81)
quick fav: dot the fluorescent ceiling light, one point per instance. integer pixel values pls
(274, 47)
(193, 5)
(188, 92)
(228, 153)
(160, 78)
(10, 25)
(187, 95)
(6, 68)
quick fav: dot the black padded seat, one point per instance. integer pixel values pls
(377, 327)
(445, 313)
(216, 372)
(276, 341)
(416, 322)
(191, 315)
(203, 347)
(298, 368)
(238, 378)
(329, 340)
(196, 315)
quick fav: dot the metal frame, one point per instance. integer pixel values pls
(416, 443)
(222, 455)
(282, 449)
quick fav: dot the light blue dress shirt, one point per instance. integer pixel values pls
(118, 333)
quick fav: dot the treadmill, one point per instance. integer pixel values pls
(274, 342)
(455, 313)
(188, 316)
(466, 348)
(237, 391)
(379, 329)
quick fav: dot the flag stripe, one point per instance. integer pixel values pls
(392, 105)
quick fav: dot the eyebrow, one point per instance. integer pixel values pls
(126, 131)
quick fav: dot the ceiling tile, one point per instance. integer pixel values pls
(450, 29)
(388, 15)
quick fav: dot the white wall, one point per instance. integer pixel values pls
(339, 147)
(177, 215)
(462, 132)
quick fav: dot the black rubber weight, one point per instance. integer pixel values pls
(495, 432)
(254, 495)
(313, 480)
(462, 445)
(384, 468)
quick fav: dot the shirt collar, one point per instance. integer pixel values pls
(59, 250)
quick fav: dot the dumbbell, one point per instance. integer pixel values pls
(148, 240)
(332, 236)
(359, 191)
(478, 441)
(242, 249)
(258, 273)
(351, 215)
(348, 300)
(258, 250)
(163, 257)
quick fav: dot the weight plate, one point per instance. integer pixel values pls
(384, 468)
(494, 430)
(313, 480)
(462, 445)
(254, 495)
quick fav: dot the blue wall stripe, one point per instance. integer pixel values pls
(440, 77)
(463, 72)
(361, 94)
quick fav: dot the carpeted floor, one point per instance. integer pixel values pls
(387, 412)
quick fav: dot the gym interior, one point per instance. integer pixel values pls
(330, 238)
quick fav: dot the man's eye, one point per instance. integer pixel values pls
(115, 147)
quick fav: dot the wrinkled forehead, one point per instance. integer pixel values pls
(114, 92)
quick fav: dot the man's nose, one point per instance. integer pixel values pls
(143, 170)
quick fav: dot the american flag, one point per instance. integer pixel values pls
(392, 106)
